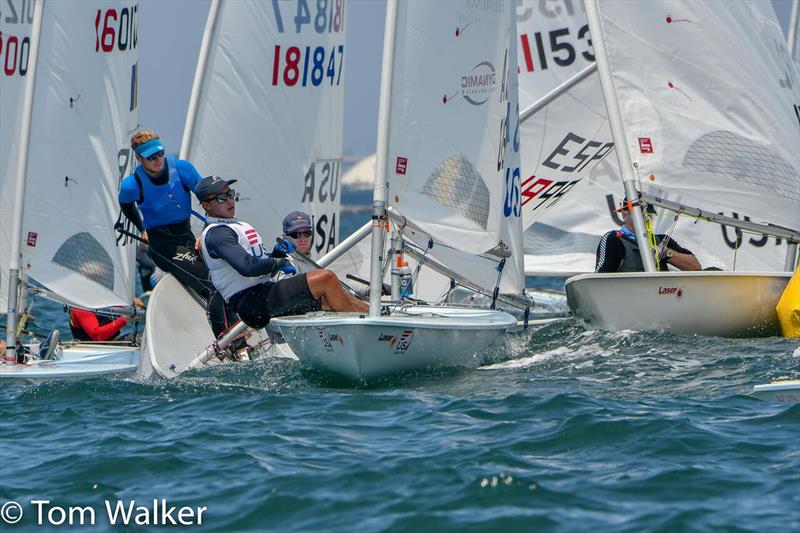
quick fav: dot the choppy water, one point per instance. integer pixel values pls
(561, 429)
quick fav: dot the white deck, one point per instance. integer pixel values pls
(77, 361)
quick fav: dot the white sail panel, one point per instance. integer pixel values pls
(553, 45)
(563, 144)
(568, 165)
(15, 33)
(270, 111)
(84, 111)
(449, 105)
(709, 100)
(564, 239)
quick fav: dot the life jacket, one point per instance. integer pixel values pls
(632, 262)
(224, 277)
(163, 204)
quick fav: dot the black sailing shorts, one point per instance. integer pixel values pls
(289, 296)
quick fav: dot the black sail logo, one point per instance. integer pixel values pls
(478, 85)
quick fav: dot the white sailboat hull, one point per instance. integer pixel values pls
(724, 304)
(779, 391)
(359, 347)
(176, 330)
(77, 361)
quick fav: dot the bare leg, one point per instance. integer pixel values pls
(325, 285)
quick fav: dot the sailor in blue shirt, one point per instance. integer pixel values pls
(160, 187)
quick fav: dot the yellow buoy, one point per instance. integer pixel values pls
(789, 307)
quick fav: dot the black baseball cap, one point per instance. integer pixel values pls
(210, 186)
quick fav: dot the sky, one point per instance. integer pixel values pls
(169, 42)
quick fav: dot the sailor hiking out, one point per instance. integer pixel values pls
(243, 272)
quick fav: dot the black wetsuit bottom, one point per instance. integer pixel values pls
(289, 296)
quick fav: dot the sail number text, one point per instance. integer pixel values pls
(15, 49)
(326, 16)
(543, 50)
(14, 53)
(307, 66)
(116, 29)
(320, 191)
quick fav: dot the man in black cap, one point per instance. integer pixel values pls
(242, 270)
(618, 250)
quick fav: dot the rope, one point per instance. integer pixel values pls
(421, 261)
(496, 291)
(663, 244)
(152, 251)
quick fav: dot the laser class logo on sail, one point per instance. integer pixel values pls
(478, 85)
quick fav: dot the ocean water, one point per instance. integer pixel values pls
(560, 429)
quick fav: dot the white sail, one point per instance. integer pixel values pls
(431, 217)
(447, 131)
(84, 111)
(15, 32)
(710, 103)
(568, 166)
(267, 109)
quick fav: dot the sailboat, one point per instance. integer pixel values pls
(69, 105)
(448, 138)
(698, 135)
(266, 108)
(571, 182)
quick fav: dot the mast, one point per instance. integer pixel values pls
(791, 36)
(793, 29)
(199, 76)
(618, 131)
(380, 189)
(19, 197)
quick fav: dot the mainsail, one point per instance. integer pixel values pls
(267, 109)
(84, 110)
(448, 124)
(709, 100)
(453, 148)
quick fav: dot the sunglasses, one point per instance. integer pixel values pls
(224, 197)
(297, 234)
(156, 155)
